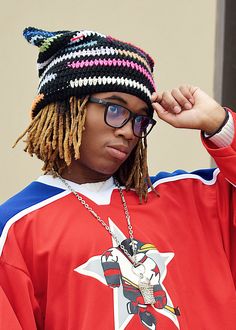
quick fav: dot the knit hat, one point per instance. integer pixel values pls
(80, 63)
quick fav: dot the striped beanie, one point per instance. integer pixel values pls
(80, 63)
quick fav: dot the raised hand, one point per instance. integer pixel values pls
(189, 107)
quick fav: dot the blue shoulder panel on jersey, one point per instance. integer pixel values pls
(206, 174)
(34, 193)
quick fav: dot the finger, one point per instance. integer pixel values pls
(169, 103)
(156, 97)
(181, 99)
(166, 116)
(158, 108)
(187, 92)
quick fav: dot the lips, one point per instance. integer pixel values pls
(119, 152)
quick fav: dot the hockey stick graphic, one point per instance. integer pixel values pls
(173, 310)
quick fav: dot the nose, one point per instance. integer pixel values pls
(126, 131)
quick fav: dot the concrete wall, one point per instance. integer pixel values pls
(179, 34)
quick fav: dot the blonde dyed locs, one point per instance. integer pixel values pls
(55, 134)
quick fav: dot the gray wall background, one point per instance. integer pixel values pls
(180, 36)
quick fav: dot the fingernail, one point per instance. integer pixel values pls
(177, 109)
(188, 106)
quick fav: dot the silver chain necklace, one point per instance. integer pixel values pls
(138, 268)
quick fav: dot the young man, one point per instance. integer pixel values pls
(78, 251)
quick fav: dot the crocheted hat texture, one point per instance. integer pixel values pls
(80, 63)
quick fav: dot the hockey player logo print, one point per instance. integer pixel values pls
(113, 269)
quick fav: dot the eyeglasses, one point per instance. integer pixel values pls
(117, 116)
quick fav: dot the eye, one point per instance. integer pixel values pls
(139, 119)
(116, 115)
(114, 109)
(142, 121)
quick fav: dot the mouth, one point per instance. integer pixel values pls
(119, 152)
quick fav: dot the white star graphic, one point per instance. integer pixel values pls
(93, 268)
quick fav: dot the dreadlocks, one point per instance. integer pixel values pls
(55, 134)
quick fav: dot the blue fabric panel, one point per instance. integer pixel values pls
(33, 194)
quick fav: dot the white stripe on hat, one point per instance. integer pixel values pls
(102, 80)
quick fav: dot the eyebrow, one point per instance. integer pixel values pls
(118, 98)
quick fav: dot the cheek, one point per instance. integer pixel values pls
(94, 118)
(95, 129)
(92, 143)
(134, 143)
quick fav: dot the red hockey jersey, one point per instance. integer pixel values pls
(60, 269)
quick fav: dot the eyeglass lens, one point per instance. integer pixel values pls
(141, 126)
(117, 116)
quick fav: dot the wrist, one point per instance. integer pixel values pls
(225, 136)
(217, 122)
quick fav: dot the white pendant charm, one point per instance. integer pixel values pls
(144, 284)
(146, 290)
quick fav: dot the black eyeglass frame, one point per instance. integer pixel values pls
(131, 115)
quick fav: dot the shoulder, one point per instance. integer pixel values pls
(35, 195)
(206, 176)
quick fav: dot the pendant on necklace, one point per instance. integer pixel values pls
(144, 284)
(146, 290)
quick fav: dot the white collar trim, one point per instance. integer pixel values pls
(99, 192)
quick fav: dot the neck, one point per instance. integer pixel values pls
(79, 177)
(79, 180)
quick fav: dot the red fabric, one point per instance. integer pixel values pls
(8, 319)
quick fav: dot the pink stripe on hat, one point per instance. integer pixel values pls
(111, 62)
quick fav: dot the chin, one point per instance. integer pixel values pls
(109, 170)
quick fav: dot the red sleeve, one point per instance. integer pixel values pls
(17, 284)
(19, 305)
(225, 159)
(8, 319)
